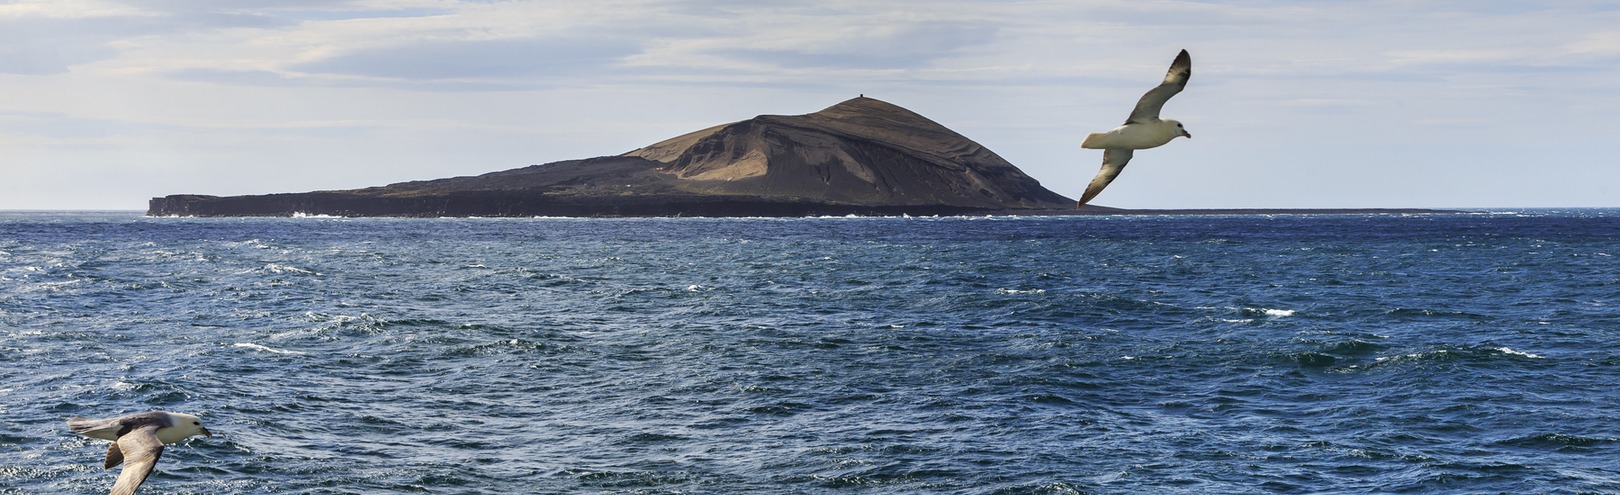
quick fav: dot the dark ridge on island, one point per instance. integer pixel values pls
(859, 157)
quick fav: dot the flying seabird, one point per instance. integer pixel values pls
(1141, 131)
(138, 441)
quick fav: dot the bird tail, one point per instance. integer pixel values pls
(1093, 141)
(92, 427)
(81, 424)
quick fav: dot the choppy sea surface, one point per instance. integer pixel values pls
(1440, 353)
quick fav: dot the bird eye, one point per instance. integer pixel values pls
(198, 423)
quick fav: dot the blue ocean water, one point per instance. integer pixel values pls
(1441, 353)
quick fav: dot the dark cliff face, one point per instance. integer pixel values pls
(862, 156)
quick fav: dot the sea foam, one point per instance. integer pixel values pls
(265, 348)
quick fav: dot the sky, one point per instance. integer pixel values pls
(1326, 104)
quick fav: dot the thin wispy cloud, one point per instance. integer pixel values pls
(208, 85)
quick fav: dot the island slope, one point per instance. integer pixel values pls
(861, 156)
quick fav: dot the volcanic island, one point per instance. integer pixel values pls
(860, 157)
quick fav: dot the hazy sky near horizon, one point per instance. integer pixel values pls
(107, 103)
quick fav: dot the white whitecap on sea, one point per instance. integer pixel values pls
(1511, 352)
(280, 269)
(266, 348)
(1415, 355)
(1277, 313)
(1018, 291)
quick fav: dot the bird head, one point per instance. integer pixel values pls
(1180, 129)
(189, 425)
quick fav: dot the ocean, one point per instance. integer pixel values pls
(1176, 354)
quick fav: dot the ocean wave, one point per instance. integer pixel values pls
(1558, 441)
(1511, 352)
(800, 356)
(280, 269)
(265, 348)
(1418, 313)
(1458, 354)
(1020, 291)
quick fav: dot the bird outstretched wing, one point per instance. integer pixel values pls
(1147, 108)
(140, 449)
(1114, 161)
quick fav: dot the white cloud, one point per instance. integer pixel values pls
(185, 85)
(1605, 43)
(68, 9)
(475, 59)
(1453, 56)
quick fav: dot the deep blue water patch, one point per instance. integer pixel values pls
(1445, 353)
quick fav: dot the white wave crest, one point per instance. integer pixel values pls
(1511, 352)
(265, 348)
(1018, 291)
(280, 269)
(1275, 313)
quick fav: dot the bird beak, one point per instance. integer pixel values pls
(207, 433)
(1188, 134)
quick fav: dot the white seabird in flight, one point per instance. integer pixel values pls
(1142, 130)
(138, 441)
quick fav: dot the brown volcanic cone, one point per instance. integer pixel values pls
(860, 152)
(861, 156)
